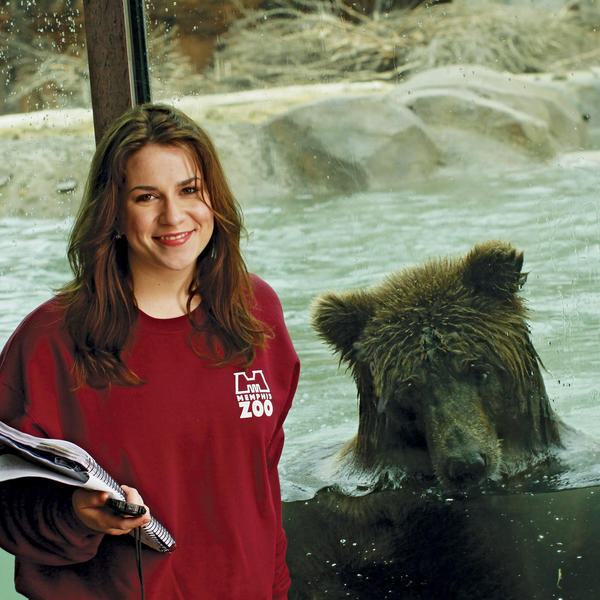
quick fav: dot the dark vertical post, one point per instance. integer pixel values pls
(139, 51)
(117, 57)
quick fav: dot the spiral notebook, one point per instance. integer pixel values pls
(24, 455)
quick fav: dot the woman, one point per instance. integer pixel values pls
(172, 366)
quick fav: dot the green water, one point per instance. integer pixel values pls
(304, 246)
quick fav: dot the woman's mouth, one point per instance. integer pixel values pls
(174, 239)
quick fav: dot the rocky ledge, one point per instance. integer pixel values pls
(323, 139)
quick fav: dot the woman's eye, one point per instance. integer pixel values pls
(144, 198)
(190, 190)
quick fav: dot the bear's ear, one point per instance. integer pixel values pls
(494, 269)
(340, 318)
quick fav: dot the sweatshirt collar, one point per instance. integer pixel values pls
(149, 323)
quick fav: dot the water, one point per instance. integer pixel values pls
(305, 246)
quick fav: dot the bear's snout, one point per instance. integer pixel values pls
(466, 465)
(467, 468)
(462, 440)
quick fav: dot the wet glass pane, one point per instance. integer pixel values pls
(45, 118)
(364, 137)
(361, 138)
(46, 142)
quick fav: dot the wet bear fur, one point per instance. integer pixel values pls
(449, 383)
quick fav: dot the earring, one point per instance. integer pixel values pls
(118, 235)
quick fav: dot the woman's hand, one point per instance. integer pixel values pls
(90, 507)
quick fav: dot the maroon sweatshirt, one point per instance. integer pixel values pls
(200, 443)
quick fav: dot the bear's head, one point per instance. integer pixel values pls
(448, 380)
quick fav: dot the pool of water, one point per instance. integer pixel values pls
(304, 246)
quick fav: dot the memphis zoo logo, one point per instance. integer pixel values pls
(253, 395)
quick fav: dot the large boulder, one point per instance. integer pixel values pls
(527, 115)
(241, 152)
(350, 143)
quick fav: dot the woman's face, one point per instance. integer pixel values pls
(165, 217)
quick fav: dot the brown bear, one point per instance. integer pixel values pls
(449, 383)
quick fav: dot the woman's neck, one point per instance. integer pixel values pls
(163, 298)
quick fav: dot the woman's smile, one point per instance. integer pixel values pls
(166, 216)
(174, 239)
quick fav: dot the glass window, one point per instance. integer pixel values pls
(46, 142)
(361, 137)
(364, 137)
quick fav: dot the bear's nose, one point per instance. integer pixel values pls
(466, 468)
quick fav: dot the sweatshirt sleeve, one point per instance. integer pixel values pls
(37, 520)
(38, 523)
(281, 581)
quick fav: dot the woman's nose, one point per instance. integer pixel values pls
(172, 212)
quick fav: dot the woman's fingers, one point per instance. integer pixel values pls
(86, 504)
(90, 507)
(133, 496)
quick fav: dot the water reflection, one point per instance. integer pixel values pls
(33, 264)
(405, 544)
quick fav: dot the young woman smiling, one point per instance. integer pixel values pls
(172, 366)
(167, 220)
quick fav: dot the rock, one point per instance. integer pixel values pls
(349, 144)
(331, 138)
(464, 109)
(242, 154)
(57, 162)
(583, 87)
(530, 116)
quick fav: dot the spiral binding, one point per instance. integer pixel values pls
(45, 451)
(154, 534)
(95, 470)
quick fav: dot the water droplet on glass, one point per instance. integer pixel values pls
(68, 185)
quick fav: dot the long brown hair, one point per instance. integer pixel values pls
(99, 305)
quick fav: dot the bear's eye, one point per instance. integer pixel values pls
(479, 373)
(372, 368)
(410, 390)
(407, 396)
